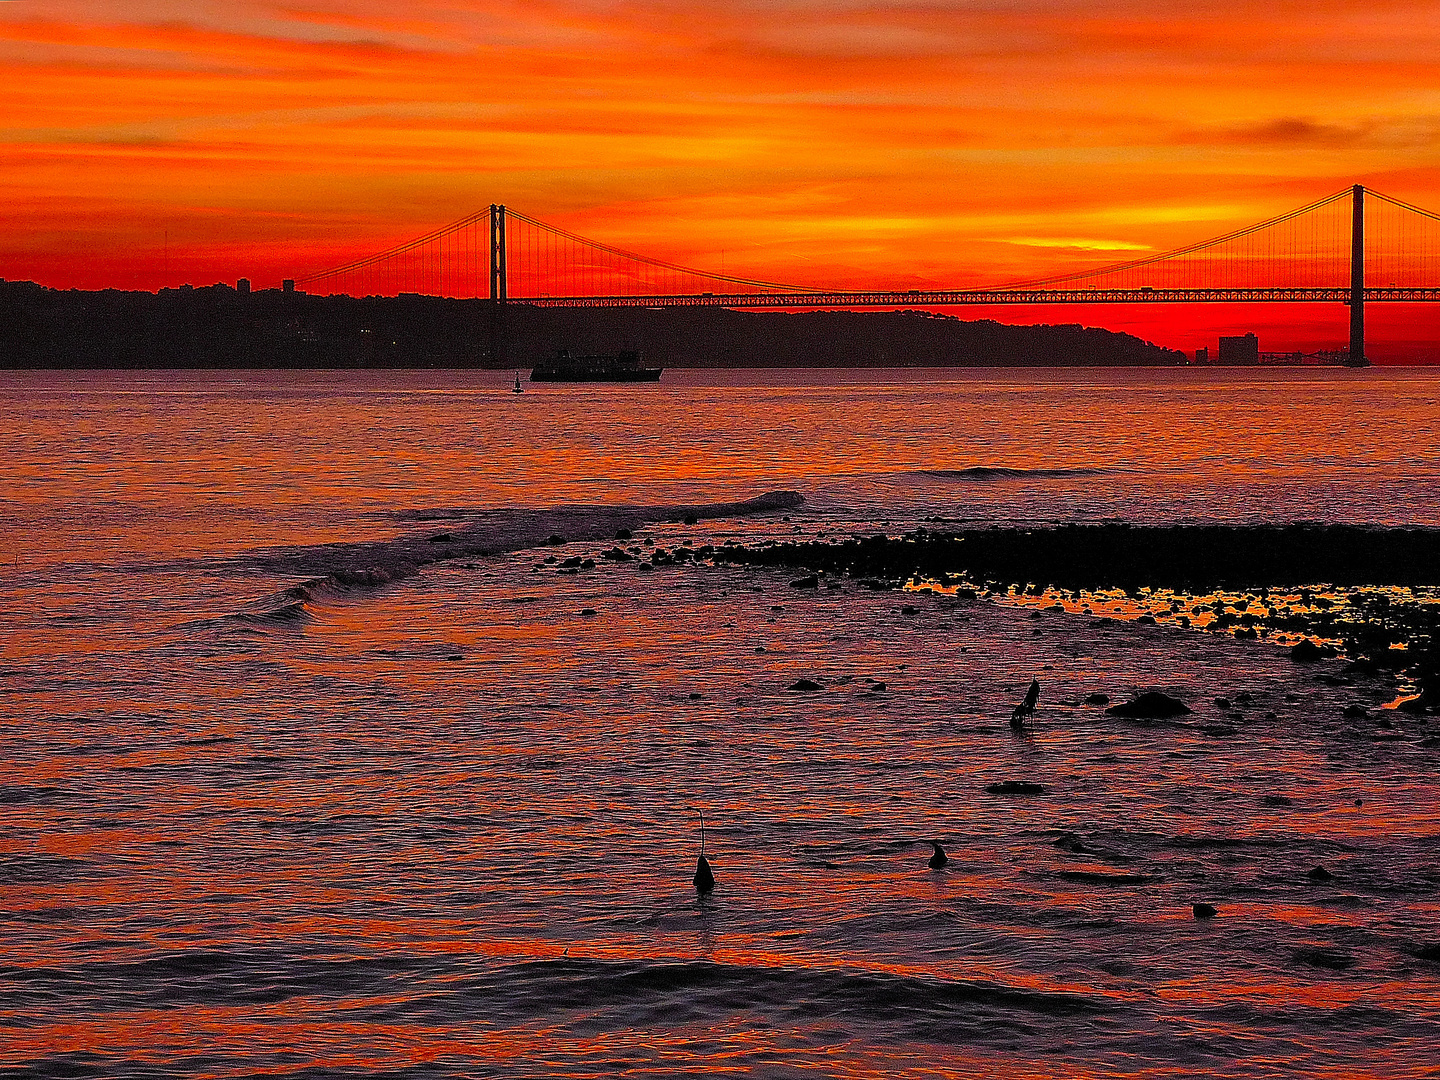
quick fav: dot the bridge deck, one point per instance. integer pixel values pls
(988, 297)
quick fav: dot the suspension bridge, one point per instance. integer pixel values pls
(1324, 252)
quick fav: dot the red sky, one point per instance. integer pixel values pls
(832, 143)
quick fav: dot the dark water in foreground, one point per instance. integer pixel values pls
(440, 827)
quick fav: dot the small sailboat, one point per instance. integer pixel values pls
(517, 384)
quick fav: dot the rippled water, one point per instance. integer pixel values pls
(440, 826)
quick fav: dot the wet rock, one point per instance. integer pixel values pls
(645, 566)
(1244, 697)
(811, 582)
(909, 609)
(555, 540)
(550, 560)
(623, 534)
(1146, 620)
(587, 612)
(1384, 724)
(696, 697)
(1097, 699)
(1324, 958)
(1355, 712)
(1306, 651)
(1015, 787)
(442, 538)
(805, 685)
(1276, 800)
(1319, 873)
(454, 656)
(1068, 841)
(1150, 706)
(1203, 911)
(691, 519)
(1222, 703)
(878, 686)
(572, 562)
(1429, 952)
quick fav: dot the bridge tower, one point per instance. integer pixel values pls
(1357, 280)
(497, 253)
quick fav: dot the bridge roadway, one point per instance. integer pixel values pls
(988, 297)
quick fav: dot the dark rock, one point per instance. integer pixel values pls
(1150, 706)
(878, 686)
(1222, 703)
(617, 553)
(1203, 911)
(909, 609)
(555, 540)
(454, 656)
(1384, 724)
(1219, 731)
(550, 560)
(1146, 620)
(587, 611)
(691, 519)
(573, 561)
(1307, 652)
(442, 538)
(645, 566)
(696, 697)
(1097, 699)
(811, 582)
(1319, 873)
(1429, 952)
(1244, 697)
(805, 685)
(1276, 800)
(1015, 787)
(1068, 841)
(588, 564)
(1355, 712)
(622, 534)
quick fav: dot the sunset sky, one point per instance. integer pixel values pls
(839, 144)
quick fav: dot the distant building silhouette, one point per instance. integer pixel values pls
(288, 285)
(1202, 355)
(243, 286)
(1244, 349)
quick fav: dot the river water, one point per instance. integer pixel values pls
(440, 824)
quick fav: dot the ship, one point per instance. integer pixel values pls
(619, 367)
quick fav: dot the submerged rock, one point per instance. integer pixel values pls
(1015, 787)
(805, 685)
(1094, 877)
(1150, 706)
(1068, 841)
(1324, 958)
(1319, 873)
